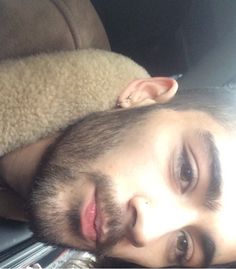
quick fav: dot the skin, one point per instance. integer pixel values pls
(157, 206)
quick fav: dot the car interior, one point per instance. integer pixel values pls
(192, 38)
(193, 41)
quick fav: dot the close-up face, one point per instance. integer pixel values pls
(176, 176)
(164, 196)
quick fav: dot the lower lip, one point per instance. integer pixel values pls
(88, 222)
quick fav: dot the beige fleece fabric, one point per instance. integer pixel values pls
(43, 94)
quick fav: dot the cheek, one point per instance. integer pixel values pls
(138, 178)
(152, 255)
(142, 170)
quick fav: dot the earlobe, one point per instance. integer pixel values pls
(148, 91)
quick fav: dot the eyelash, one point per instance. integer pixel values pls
(185, 172)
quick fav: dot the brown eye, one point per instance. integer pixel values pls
(182, 243)
(186, 174)
(182, 246)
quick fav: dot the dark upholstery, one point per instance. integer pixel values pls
(33, 26)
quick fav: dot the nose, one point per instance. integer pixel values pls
(152, 220)
(136, 232)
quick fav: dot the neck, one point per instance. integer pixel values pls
(18, 167)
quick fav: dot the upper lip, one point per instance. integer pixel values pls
(88, 220)
(101, 220)
(98, 220)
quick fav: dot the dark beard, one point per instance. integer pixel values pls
(66, 163)
(47, 219)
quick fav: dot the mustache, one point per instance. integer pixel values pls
(47, 219)
(115, 224)
(105, 197)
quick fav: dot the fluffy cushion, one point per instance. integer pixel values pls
(43, 94)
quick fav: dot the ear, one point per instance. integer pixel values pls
(148, 91)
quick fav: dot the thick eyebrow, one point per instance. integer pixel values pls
(214, 186)
(208, 248)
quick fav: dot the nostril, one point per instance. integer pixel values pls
(135, 227)
(137, 244)
(134, 217)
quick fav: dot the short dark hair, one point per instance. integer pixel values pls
(99, 132)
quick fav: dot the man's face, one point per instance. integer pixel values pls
(165, 196)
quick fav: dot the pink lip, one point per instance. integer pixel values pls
(88, 222)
